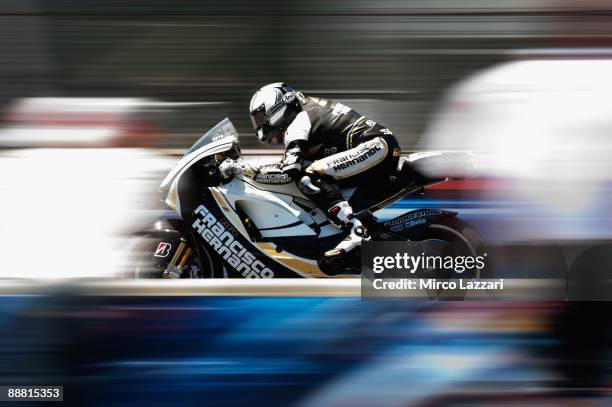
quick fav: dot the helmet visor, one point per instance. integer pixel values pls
(259, 118)
(267, 134)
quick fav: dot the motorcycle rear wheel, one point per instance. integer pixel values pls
(469, 243)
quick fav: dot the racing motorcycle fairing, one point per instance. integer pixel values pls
(165, 236)
(282, 217)
(277, 210)
(168, 222)
(405, 180)
(217, 225)
(218, 143)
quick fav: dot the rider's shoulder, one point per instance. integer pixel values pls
(315, 102)
(300, 128)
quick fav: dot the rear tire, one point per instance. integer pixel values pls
(455, 230)
(468, 243)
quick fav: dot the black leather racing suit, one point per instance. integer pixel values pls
(344, 148)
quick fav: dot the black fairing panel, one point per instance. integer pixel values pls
(379, 193)
(218, 246)
(168, 222)
(164, 243)
(192, 185)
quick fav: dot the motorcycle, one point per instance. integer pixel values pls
(236, 228)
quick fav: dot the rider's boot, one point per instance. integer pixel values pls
(342, 214)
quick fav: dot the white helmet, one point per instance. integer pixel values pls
(273, 108)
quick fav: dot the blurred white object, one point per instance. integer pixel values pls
(79, 122)
(66, 212)
(453, 164)
(544, 124)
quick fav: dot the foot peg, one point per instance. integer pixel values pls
(353, 240)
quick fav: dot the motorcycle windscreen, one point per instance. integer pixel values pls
(221, 140)
(224, 129)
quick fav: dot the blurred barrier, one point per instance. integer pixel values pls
(588, 287)
(220, 288)
(390, 60)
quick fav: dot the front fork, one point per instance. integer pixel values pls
(175, 268)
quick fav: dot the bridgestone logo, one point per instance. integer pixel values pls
(360, 156)
(222, 240)
(411, 219)
(412, 216)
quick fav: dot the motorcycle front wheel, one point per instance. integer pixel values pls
(144, 265)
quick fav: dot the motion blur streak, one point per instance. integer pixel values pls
(100, 92)
(303, 351)
(97, 99)
(64, 211)
(390, 60)
(543, 126)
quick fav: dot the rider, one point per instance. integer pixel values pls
(344, 148)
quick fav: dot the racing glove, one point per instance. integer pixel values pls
(282, 172)
(229, 168)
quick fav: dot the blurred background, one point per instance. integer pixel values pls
(98, 99)
(392, 60)
(160, 350)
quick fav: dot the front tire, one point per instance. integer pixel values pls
(201, 264)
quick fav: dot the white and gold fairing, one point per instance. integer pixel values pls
(169, 185)
(271, 209)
